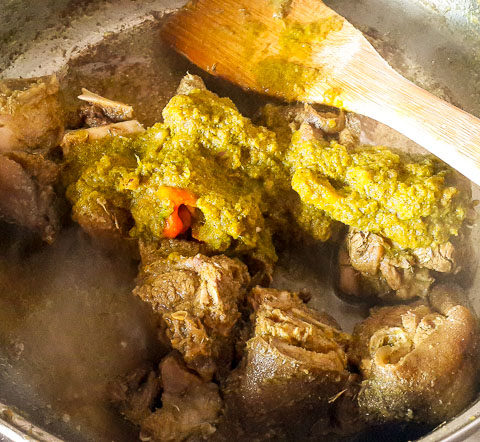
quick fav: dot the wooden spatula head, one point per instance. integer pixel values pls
(302, 50)
(290, 49)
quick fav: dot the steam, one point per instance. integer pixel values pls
(70, 325)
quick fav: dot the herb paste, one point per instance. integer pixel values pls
(243, 182)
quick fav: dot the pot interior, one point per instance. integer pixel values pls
(68, 323)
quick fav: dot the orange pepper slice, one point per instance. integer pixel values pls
(180, 219)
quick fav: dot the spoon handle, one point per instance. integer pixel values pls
(443, 129)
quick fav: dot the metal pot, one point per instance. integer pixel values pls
(67, 322)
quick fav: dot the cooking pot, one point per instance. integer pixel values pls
(68, 324)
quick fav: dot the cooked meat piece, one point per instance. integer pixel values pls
(279, 298)
(30, 114)
(355, 285)
(27, 195)
(37, 166)
(101, 111)
(105, 220)
(407, 280)
(93, 116)
(157, 252)
(295, 115)
(284, 120)
(293, 373)
(297, 326)
(309, 132)
(419, 363)
(198, 298)
(190, 407)
(350, 135)
(31, 124)
(370, 267)
(366, 251)
(135, 394)
(328, 122)
(440, 258)
(108, 224)
(190, 82)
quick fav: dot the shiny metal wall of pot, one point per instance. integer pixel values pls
(433, 43)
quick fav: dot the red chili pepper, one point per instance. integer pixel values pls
(180, 219)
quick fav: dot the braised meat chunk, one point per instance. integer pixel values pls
(31, 124)
(189, 83)
(30, 114)
(190, 406)
(27, 193)
(293, 379)
(419, 362)
(370, 267)
(324, 121)
(198, 297)
(135, 394)
(103, 215)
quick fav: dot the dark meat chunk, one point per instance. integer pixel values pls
(30, 114)
(355, 285)
(198, 297)
(294, 374)
(155, 253)
(441, 258)
(135, 394)
(322, 121)
(366, 251)
(308, 132)
(27, 193)
(350, 135)
(108, 224)
(328, 122)
(31, 124)
(419, 363)
(190, 407)
(370, 267)
(101, 111)
(93, 116)
(104, 220)
(454, 259)
(189, 83)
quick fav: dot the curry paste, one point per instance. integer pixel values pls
(237, 180)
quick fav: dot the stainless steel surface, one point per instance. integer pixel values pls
(14, 428)
(71, 325)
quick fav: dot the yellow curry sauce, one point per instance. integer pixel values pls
(241, 177)
(288, 74)
(374, 190)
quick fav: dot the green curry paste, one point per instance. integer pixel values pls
(242, 175)
(374, 190)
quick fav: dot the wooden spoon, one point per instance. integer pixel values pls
(302, 50)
